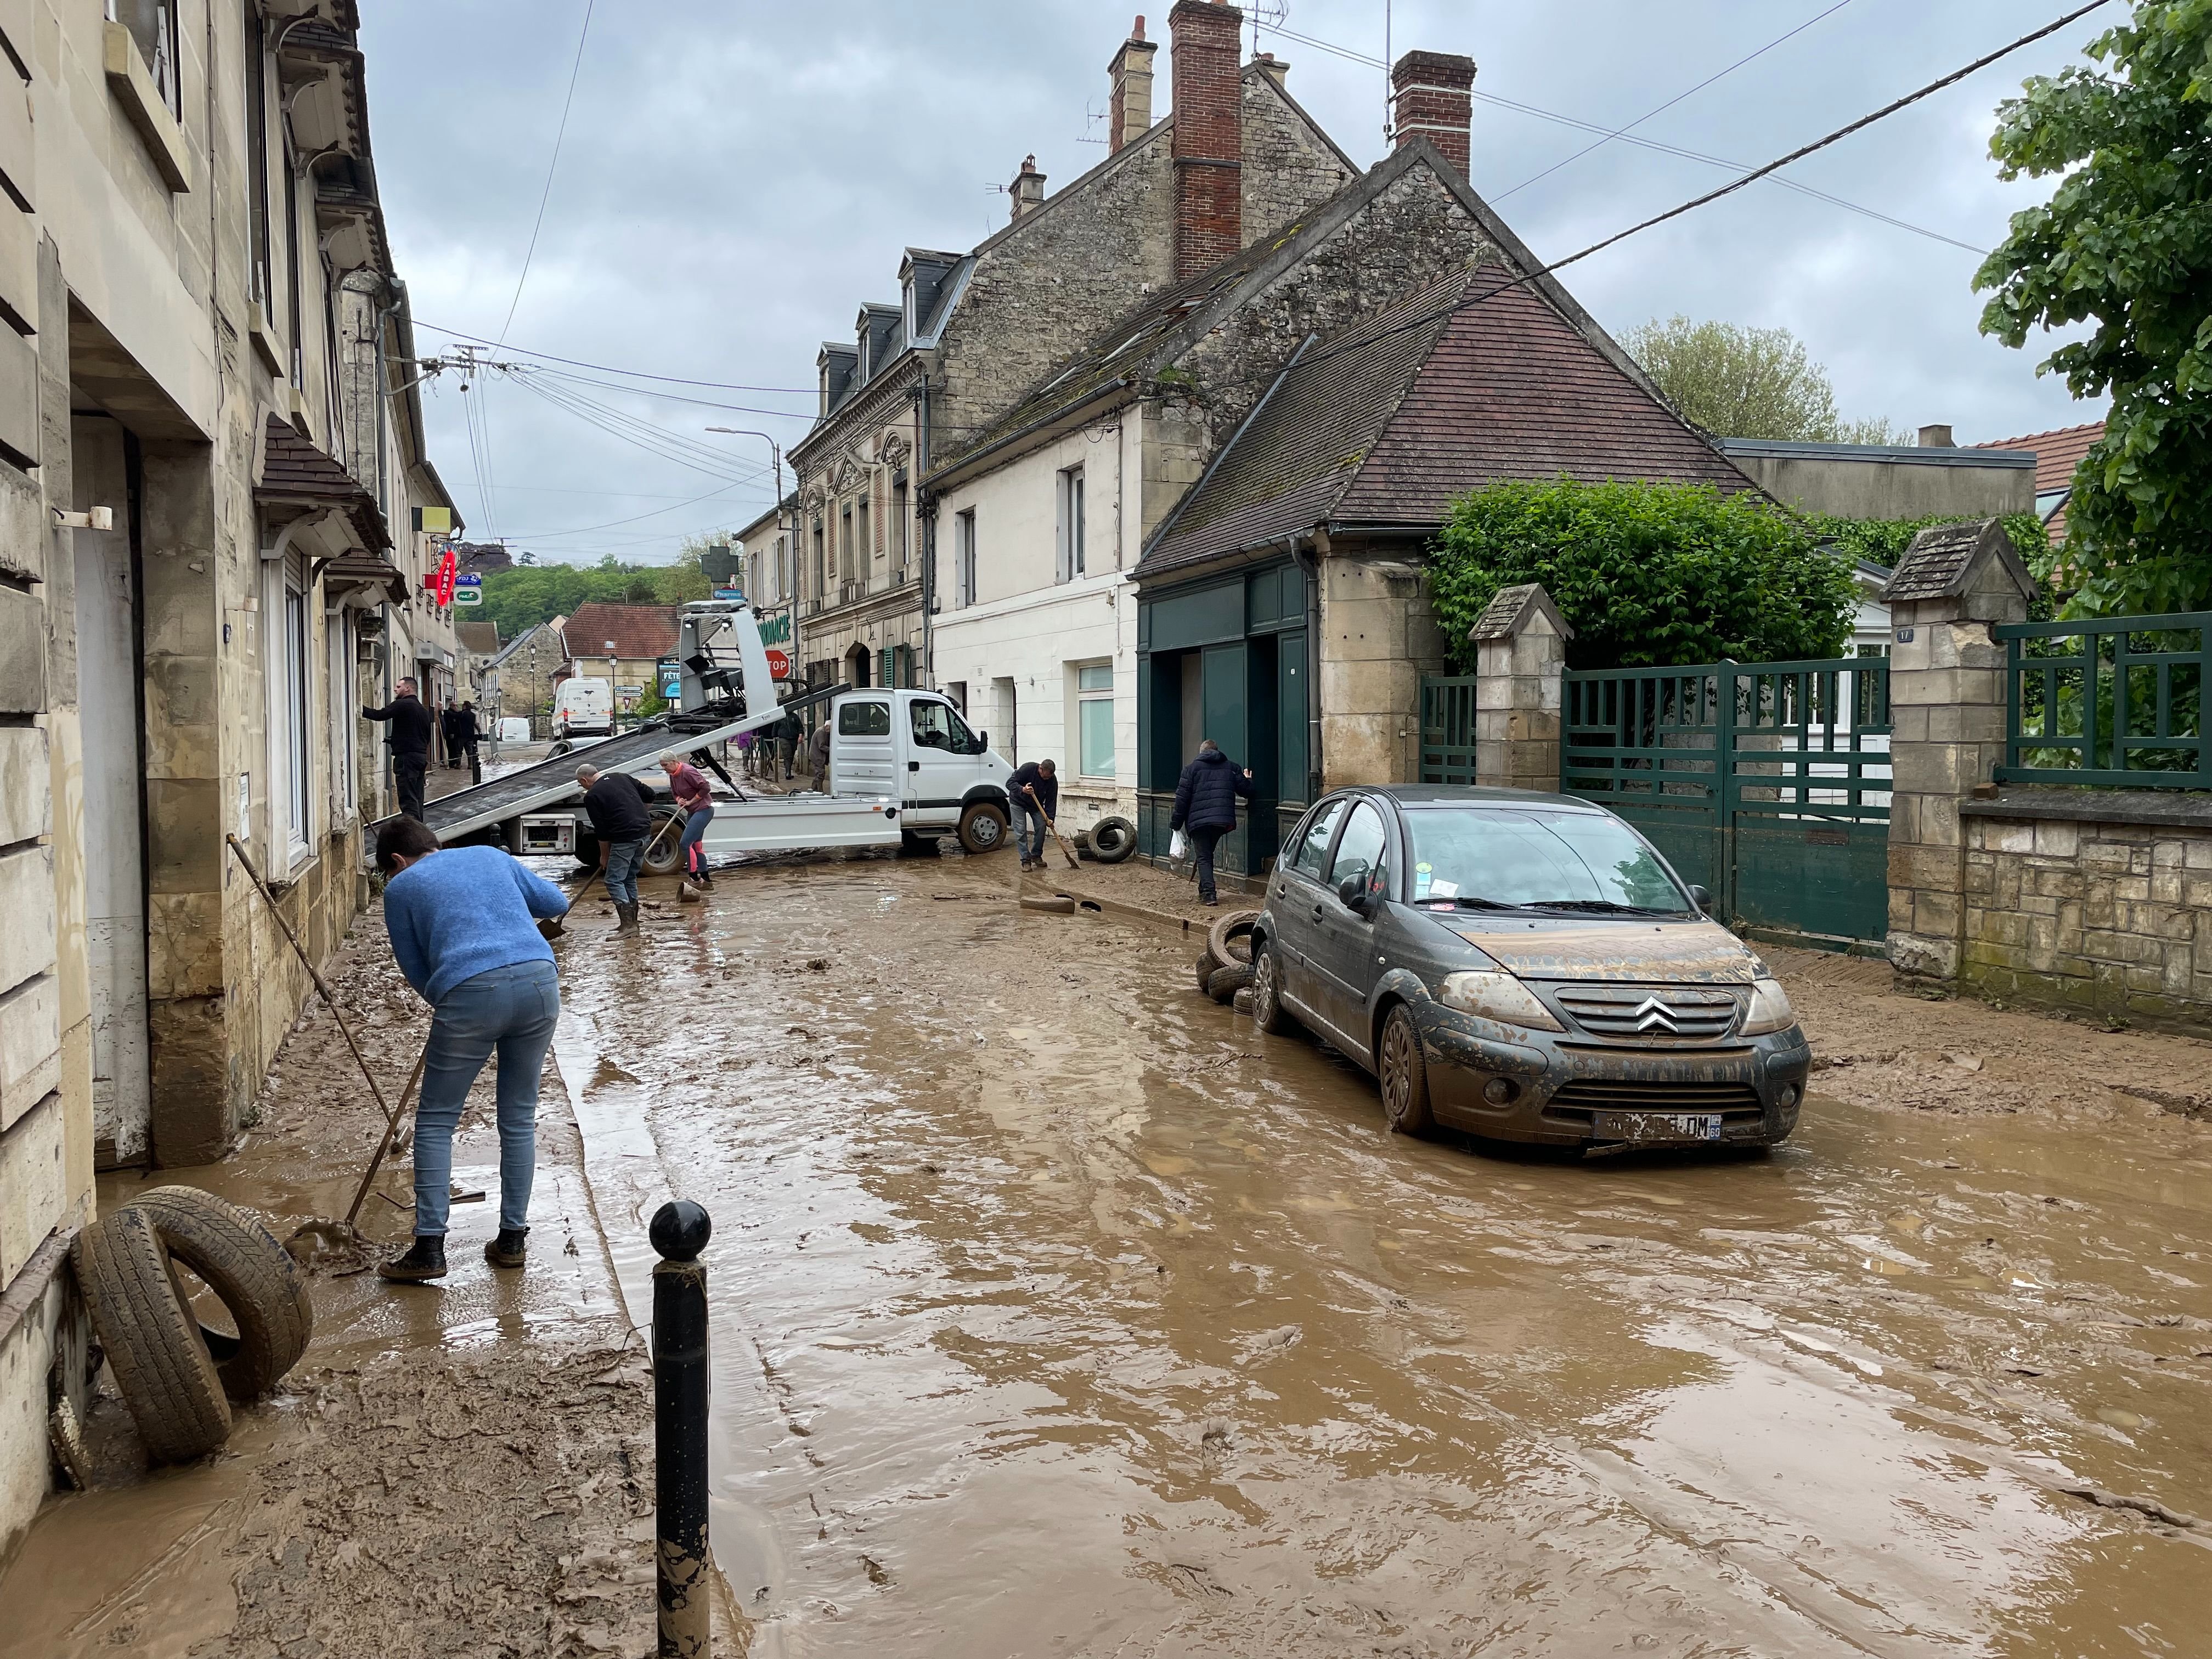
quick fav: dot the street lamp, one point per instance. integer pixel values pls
(775, 467)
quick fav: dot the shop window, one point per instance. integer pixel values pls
(1094, 712)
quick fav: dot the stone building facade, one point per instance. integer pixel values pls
(924, 379)
(196, 559)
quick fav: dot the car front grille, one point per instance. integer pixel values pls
(1646, 1095)
(1649, 1013)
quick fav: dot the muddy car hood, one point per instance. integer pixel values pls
(1579, 947)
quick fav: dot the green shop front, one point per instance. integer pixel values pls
(1226, 657)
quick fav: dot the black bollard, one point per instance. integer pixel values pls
(679, 1231)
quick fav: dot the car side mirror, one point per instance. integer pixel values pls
(1702, 897)
(1351, 893)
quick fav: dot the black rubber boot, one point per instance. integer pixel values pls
(426, 1260)
(625, 916)
(510, 1247)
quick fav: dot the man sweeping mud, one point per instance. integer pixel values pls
(462, 922)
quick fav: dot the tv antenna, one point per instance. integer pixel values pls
(1266, 14)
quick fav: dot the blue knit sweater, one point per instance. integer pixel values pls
(463, 911)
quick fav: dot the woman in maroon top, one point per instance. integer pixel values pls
(694, 799)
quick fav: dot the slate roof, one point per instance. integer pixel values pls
(294, 472)
(1474, 379)
(1937, 562)
(638, 630)
(478, 639)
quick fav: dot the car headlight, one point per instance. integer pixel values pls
(1499, 997)
(1770, 1009)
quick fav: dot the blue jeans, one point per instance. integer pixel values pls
(1029, 829)
(511, 1011)
(623, 859)
(695, 828)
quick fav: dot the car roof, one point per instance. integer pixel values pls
(1419, 795)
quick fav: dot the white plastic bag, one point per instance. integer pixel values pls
(1178, 845)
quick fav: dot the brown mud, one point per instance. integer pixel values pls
(1058, 1311)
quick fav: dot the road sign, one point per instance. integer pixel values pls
(779, 665)
(468, 596)
(468, 578)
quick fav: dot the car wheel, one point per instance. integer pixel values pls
(1404, 1075)
(1267, 1011)
(982, 828)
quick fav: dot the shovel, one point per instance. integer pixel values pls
(1067, 852)
(554, 927)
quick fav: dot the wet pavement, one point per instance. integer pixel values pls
(1056, 1311)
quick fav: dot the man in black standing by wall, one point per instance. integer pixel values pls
(466, 734)
(410, 743)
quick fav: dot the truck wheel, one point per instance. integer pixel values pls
(914, 845)
(251, 1274)
(982, 828)
(561, 747)
(1112, 840)
(587, 848)
(663, 858)
(153, 1345)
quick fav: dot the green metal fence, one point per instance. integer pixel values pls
(1766, 783)
(2117, 702)
(1448, 729)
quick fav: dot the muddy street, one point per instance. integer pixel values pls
(1057, 1310)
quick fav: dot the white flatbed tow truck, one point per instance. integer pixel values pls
(905, 767)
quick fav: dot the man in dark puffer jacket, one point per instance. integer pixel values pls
(1205, 806)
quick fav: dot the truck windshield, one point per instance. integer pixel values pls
(938, 725)
(1567, 861)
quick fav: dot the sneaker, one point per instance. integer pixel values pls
(427, 1259)
(509, 1248)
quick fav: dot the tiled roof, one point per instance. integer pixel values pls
(1940, 557)
(479, 639)
(1476, 379)
(294, 470)
(638, 630)
(2058, 456)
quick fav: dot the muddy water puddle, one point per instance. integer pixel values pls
(1058, 1311)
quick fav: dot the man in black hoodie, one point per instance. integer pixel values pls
(410, 743)
(1205, 805)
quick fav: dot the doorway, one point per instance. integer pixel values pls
(856, 668)
(110, 681)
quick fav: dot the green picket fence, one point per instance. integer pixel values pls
(2116, 704)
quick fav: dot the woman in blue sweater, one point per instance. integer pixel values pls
(463, 924)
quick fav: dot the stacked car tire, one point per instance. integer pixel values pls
(177, 1377)
(1225, 966)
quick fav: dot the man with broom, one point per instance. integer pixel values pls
(462, 922)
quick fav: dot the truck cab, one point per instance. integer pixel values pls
(915, 748)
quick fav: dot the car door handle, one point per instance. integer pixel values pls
(914, 766)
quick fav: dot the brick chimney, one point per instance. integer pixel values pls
(1027, 188)
(1129, 114)
(1432, 96)
(1209, 134)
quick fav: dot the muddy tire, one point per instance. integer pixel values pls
(162, 1369)
(251, 1274)
(982, 829)
(1230, 939)
(1205, 967)
(1059, 904)
(561, 746)
(665, 857)
(1112, 840)
(1403, 1072)
(1267, 1011)
(914, 845)
(1228, 980)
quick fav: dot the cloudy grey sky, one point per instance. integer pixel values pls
(736, 178)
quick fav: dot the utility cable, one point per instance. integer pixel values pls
(607, 369)
(642, 435)
(674, 444)
(1671, 102)
(551, 168)
(673, 398)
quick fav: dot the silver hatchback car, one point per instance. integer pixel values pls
(1524, 966)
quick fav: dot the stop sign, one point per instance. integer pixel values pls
(779, 665)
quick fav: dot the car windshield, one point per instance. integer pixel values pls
(1562, 860)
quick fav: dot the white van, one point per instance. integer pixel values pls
(914, 748)
(583, 708)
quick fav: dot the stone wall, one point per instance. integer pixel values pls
(2099, 901)
(1289, 163)
(1379, 636)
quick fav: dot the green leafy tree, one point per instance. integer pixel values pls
(1646, 573)
(2124, 244)
(1741, 382)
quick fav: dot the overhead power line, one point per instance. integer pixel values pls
(551, 168)
(607, 368)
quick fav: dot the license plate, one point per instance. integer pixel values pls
(1657, 1126)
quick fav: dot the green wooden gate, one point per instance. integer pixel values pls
(1767, 783)
(1447, 730)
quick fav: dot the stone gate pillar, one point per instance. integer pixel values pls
(1521, 650)
(1946, 697)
